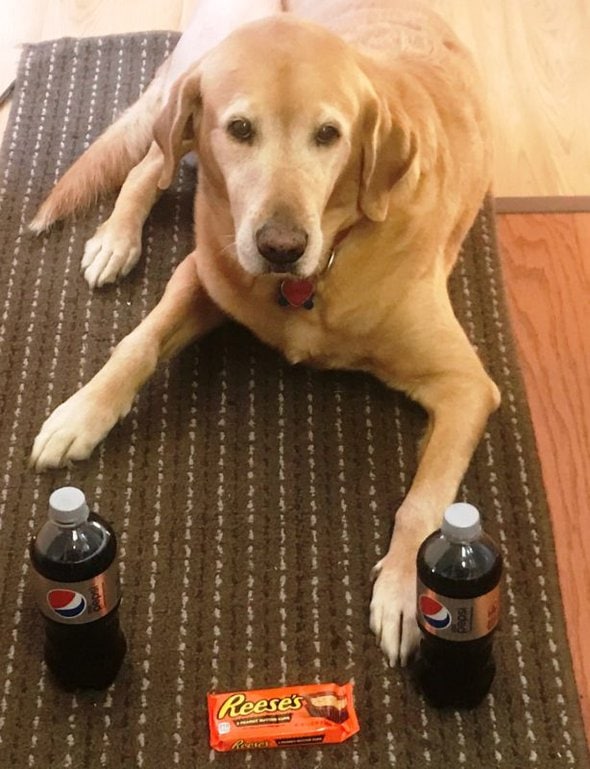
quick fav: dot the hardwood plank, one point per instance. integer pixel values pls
(102, 17)
(547, 277)
(563, 204)
(534, 58)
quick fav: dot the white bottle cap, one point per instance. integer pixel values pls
(461, 522)
(67, 506)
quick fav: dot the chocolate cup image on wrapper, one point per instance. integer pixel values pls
(327, 705)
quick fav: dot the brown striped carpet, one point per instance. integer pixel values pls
(251, 498)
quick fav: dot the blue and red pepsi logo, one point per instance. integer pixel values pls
(435, 613)
(66, 603)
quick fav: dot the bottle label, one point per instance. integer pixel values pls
(76, 603)
(457, 619)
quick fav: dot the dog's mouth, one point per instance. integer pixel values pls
(279, 269)
(295, 271)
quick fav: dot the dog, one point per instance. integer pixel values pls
(343, 152)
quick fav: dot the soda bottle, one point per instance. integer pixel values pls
(459, 570)
(74, 556)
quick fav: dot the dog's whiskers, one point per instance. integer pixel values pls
(230, 245)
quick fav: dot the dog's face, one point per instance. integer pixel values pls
(282, 135)
(288, 129)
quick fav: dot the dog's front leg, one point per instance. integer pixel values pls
(445, 376)
(115, 248)
(184, 313)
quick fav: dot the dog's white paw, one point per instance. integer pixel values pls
(73, 430)
(393, 606)
(111, 253)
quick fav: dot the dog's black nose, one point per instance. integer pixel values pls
(281, 243)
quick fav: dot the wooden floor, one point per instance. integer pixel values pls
(535, 57)
(546, 262)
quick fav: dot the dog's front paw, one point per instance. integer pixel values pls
(393, 606)
(73, 430)
(111, 253)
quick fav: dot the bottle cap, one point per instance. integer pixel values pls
(67, 506)
(461, 521)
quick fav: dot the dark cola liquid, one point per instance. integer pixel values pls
(86, 655)
(450, 672)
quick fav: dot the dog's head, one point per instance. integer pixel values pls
(290, 130)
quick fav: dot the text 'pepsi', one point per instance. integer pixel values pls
(458, 609)
(74, 556)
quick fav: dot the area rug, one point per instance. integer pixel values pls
(250, 498)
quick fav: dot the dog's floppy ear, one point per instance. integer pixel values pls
(178, 122)
(388, 149)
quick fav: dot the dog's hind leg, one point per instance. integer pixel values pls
(116, 246)
(212, 21)
(184, 313)
(442, 372)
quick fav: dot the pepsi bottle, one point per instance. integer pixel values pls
(74, 556)
(459, 570)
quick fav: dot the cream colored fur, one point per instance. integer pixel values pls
(396, 192)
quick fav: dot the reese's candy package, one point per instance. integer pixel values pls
(310, 714)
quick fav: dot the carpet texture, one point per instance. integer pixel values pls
(251, 498)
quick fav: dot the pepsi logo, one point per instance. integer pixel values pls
(435, 613)
(66, 603)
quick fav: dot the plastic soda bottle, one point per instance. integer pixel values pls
(74, 556)
(459, 570)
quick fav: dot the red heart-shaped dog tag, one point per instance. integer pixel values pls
(297, 293)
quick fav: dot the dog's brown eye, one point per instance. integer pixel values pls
(241, 129)
(327, 134)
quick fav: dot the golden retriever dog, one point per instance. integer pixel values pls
(343, 154)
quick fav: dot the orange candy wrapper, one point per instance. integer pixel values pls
(311, 714)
